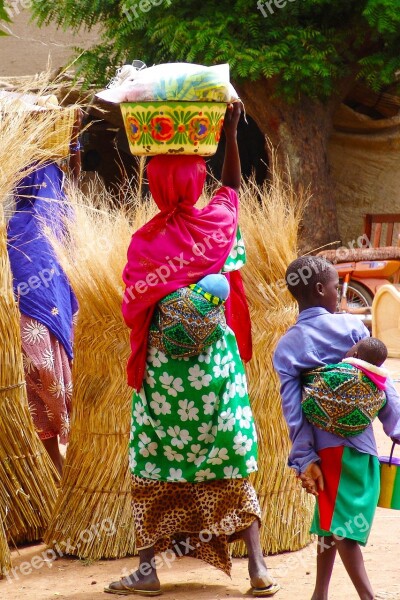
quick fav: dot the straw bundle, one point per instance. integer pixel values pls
(93, 510)
(27, 477)
(270, 220)
(5, 556)
(27, 491)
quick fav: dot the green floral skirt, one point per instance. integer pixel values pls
(192, 419)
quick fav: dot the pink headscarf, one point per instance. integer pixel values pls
(179, 246)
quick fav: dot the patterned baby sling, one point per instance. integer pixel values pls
(341, 399)
(187, 322)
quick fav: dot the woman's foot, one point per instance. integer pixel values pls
(136, 583)
(262, 583)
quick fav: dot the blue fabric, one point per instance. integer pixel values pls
(40, 284)
(319, 338)
(217, 285)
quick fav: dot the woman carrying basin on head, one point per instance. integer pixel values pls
(193, 440)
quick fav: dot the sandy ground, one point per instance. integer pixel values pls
(188, 579)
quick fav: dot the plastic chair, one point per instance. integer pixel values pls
(386, 318)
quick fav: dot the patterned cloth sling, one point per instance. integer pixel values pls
(186, 322)
(341, 399)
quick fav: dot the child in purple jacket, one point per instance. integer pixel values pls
(342, 472)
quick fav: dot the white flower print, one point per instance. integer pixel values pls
(198, 378)
(28, 363)
(150, 471)
(172, 454)
(65, 425)
(173, 386)
(188, 411)
(242, 444)
(208, 431)
(232, 473)
(159, 404)
(220, 369)
(221, 344)
(158, 428)
(175, 475)
(49, 413)
(230, 363)
(57, 389)
(217, 456)
(33, 332)
(179, 437)
(211, 403)
(244, 416)
(232, 388)
(156, 357)
(132, 458)
(205, 357)
(251, 465)
(226, 420)
(230, 392)
(131, 431)
(239, 264)
(237, 250)
(151, 382)
(146, 446)
(139, 412)
(204, 475)
(68, 391)
(48, 359)
(196, 455)
(241, 384)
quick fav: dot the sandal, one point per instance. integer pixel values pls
(120, 589)
(268, 590)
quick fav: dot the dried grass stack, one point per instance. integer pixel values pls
(270, 220)
(27, 477)
(93, 510)
(5, 556)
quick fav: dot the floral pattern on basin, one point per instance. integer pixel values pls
(173, 127)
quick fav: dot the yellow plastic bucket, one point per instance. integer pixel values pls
(390, 481)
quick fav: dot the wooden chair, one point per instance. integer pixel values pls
(373, 229)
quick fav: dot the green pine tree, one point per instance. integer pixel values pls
(293, 62)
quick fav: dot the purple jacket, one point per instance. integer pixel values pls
(319, 338)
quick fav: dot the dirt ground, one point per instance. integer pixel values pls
(28, 50)
(188, 579)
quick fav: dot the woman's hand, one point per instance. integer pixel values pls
(232, 116)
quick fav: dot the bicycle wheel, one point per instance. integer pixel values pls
(357, 295)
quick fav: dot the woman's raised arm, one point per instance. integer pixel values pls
(231, 171)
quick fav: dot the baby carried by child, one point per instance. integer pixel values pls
(345, 398)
